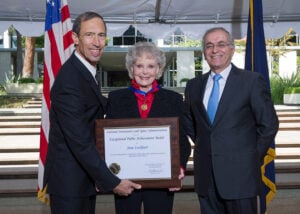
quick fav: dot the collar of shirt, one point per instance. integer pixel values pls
(210, 83)
(91, 68)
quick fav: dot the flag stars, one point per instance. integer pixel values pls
(51, 2)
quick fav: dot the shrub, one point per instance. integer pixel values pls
(279, 84)
(26, 80)
(39, 80)
(277, 89)
(184, 80)
(2, 90)
(292, 90)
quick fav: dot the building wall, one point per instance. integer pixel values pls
(185, 63)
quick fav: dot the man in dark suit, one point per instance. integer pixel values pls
(229, 148)
(74, 169)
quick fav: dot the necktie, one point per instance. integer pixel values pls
(97, 78)
(214, 98)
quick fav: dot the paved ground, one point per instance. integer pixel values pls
(285, 202)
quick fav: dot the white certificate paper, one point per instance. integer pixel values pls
(140, 153)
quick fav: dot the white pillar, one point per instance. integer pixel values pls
(35, 74)
(104, 78)
(6, 40)
(185, 66)
(287, 64)
(5, 69)
(238, 59)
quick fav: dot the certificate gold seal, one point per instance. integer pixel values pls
(115, 168)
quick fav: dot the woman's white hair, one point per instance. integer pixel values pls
(151, 50)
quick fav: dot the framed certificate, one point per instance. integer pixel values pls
(145, 151)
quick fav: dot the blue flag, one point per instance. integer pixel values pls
(256, 61)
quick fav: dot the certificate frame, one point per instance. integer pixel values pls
(172, 122)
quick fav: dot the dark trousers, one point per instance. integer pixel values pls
(72, 205)
(214, 204)
(154, 201)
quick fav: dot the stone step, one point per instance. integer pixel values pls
(31, 155)
(28, 117)
(27, 123)
(19, 131)
(19, 151)
(24, 143)
(288, 153)
(20, 112)
(24, 118)
(16, 158)
(32, 106)
(18, 187)
(287, 175)
(10, 141)
(35, 115)
(287, 180)
(287, 138)
(28, 187)
(281, 154)
(289, 126)
(34, 101)
(24, 182)
(22, 171)
(20, 124)
(289, 119)
(285, 113)
(287, 166)
(18, 171)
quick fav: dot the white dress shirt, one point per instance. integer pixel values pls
(91, 68)
(210, 83)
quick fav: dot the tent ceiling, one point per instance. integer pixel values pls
(158, 18)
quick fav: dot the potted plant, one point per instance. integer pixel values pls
(25, 87)
(183, 81)
(291, 96)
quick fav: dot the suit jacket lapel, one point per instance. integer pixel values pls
(231, 86)
(202, 108)
(158, 104)
(90, 80)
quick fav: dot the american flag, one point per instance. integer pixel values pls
(58, 48)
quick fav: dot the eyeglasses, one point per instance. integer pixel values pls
(220, 45)
(92, 36)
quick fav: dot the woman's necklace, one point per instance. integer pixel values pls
(144, 106)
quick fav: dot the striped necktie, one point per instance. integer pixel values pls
(97, 78)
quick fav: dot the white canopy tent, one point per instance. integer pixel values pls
(159, 18)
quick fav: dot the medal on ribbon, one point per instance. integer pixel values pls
(144, 107)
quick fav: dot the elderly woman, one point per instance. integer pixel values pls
(145, 99)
